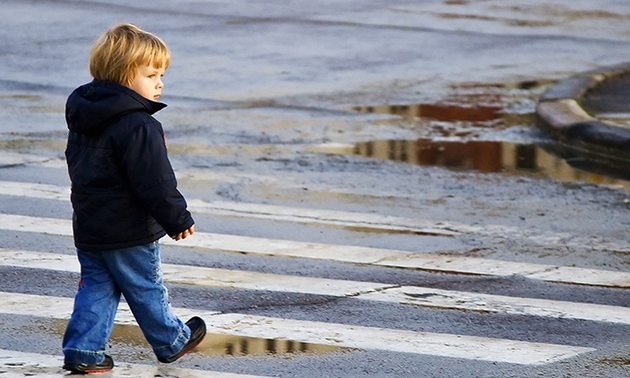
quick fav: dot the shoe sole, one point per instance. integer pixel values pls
(87, 371)
(97, 371)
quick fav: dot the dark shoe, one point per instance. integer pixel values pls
(103, 367)
(197, 333)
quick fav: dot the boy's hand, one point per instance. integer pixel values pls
(184, 234)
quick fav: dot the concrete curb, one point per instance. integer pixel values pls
(560, 114)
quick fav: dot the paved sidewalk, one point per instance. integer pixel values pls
(589, 114)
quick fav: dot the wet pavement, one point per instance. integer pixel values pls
(327, 127)
(506, 158)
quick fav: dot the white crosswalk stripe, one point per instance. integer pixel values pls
(209, 277)
(9, 159)
(279, 213)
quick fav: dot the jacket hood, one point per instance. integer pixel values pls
(93, 106)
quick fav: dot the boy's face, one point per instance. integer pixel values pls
(148, 82)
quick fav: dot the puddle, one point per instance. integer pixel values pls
(481, 156)
(482, 107)
(217, 344)
(439, 112)
(471, 111)
(214, 344)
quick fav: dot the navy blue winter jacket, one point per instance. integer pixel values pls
(124, 191)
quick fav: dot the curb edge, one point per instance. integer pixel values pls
(560, 114)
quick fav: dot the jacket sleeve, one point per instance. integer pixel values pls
(151, 177)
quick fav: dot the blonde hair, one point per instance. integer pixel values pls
(117, 55)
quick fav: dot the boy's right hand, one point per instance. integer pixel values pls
(184, 234)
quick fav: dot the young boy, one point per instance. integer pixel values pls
(125, 198)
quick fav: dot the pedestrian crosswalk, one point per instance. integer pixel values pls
(353, 254)
(365, 221)
(361, 290)
(320, 333)
(313, 335)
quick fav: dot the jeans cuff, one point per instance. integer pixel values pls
(78, 356)
(177, 345)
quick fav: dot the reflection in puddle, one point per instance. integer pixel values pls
(214, 344)
(486, 157)
(464, 115)
(439, 112)
(481, 156)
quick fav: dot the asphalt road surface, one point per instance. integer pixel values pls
(371, 196)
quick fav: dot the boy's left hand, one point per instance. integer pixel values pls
(184, 234)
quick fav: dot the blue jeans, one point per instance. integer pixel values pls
(135, 272)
